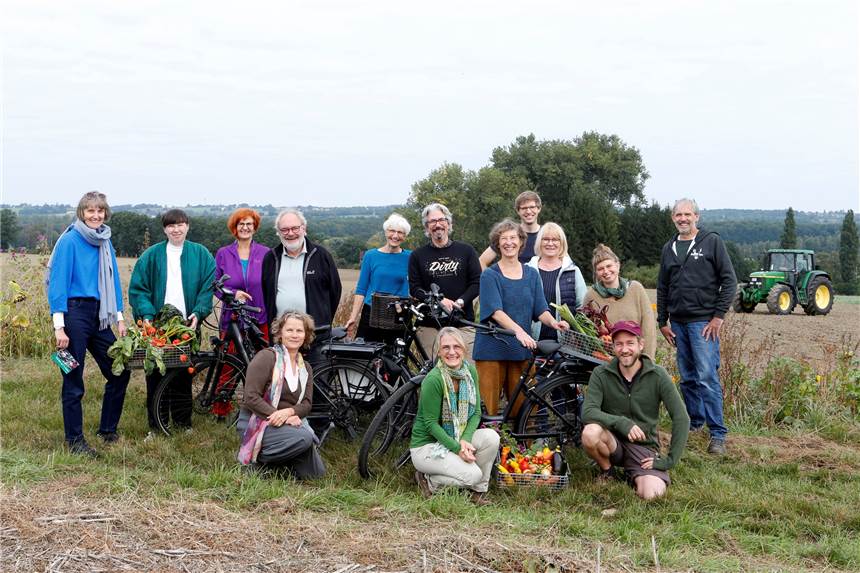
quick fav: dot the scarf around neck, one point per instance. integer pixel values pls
(99, 238)
(457, 406)
(606, 292)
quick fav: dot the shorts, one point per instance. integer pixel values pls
(629, 456)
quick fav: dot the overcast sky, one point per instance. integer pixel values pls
(739, 104)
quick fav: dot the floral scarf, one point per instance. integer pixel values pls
(606, 292)
(252, 439)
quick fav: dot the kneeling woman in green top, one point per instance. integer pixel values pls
(446, 447)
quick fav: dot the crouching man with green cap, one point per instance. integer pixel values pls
(621, 410)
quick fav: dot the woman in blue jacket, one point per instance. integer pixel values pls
(85, 298)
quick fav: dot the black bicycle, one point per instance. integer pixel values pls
(551, 388)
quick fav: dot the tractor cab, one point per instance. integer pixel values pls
(788, 277)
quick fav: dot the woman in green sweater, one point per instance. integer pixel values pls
(446, 447)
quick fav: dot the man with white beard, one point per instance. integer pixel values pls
(452, 265)
(299, 275)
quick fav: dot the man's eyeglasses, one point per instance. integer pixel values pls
(528, 207)
(439, 220)
(290, 230)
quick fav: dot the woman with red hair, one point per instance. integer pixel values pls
(243, 262)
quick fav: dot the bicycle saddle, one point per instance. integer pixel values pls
(547, 347)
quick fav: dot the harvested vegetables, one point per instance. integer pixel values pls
(168, 333)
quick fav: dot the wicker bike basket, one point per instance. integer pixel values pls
(383, 313)
(171, 356)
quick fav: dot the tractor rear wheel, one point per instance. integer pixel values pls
(739, 305)
(820, 296)
(780, 299)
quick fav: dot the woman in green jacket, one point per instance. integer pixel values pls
(180, 273)
(446, 447)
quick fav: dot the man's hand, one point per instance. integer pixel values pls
(712, 329)
(647, 463)
(668, 334)
(62, 339)
(636, 434)
(447, 304)
(121, 328)
(467, 452)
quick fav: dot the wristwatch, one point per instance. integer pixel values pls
(459, 302)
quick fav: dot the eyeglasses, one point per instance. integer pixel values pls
(245, 225)
(290, 230)
(529, 208)
(439, 220)
(396, 232)
(550, 240)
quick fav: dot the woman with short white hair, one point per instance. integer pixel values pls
(383, 270)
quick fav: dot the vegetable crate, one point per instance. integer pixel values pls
(171, 356)
(546, 468)
(553, 482)
(585, 346)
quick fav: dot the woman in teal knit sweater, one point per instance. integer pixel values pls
(446, 447)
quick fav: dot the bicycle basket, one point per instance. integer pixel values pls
(585, 346)
(171, 356)
(554, 482)
(383, 314)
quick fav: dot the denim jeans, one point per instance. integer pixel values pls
(698, 365)
(82, 328)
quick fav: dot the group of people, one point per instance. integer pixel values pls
(296, 285)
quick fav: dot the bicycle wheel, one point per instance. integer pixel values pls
(562, 420)
(347, 393)
(215, 391)
(389, 431)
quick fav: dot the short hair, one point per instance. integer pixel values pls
(505, 226)
(290, 211)
(397, 222)
(550, 228)
(238, 215)
(436, 207)
(307, 321)
(602, 253)
(692, 203)
(527, 196)
(453, 333)
(174, 217)
(93, 199)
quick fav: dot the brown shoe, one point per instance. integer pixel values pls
(605, 476)
(480, 498)
(423, 485)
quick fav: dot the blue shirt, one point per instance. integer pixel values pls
(75, 272)
(383, 273)
(521, 299)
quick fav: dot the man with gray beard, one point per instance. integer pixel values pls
(452, 265)
(299, 275)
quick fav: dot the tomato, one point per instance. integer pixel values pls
(183, 358)
(177, 342)
(191, 370)
(186, 336)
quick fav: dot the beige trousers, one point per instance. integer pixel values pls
(452, 470)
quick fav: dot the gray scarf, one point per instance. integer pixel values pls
(107, 293)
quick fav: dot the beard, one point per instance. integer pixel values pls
(294, 245)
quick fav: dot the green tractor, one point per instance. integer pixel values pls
(788, 278)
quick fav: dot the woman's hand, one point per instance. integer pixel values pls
(467, 452)
(242, 296)
(121, 328)
(192, 322)
(525, 339)
(280, 417)
(561, 325)
(294, 421)
(62, 339)
(351, 326)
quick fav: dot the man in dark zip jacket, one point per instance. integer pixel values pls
(298, 274)
(695, 287)
(621, 411)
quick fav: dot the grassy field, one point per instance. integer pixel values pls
(779, 502)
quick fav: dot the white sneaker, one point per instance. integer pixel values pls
(150, 436)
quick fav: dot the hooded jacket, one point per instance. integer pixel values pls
(698, 286)
(610, 404)
(322, 283)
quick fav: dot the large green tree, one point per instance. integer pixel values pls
(128, 232)
(10, 228)
(849, 250)
(788, 239)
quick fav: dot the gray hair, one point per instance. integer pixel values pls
(691, 202)
(436, 207)
(398, 223)
(290, 211)
(453, 333)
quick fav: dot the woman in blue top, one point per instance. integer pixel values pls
(511, 296)
(85, 298)
(383, 270)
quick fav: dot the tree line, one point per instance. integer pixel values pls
(592, 185)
